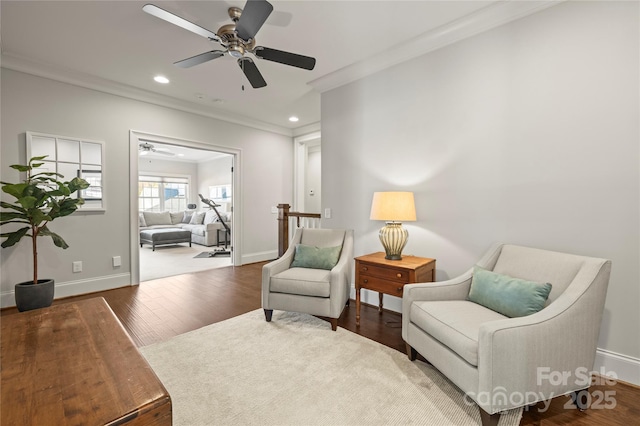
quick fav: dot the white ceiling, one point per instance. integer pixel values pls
(115, 46)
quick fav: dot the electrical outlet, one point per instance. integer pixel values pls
(116, 261)
(327, 213)
(77, 266)
(274, 209)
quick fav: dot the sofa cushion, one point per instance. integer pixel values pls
(455, 323)
(157, 218)
(315, 257)
(509, 296)
(302, 281)
(197, 218)
(141, 221)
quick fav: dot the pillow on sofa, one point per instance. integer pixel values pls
(315, 257)
(157, 218)
(176, 217)
(186, 217)
(197, 219)
(141, 222)
(509, 296)
(209, 217)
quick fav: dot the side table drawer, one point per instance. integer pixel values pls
(386, 273)
(380, 285)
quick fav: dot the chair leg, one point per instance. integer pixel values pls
(580, 398)
(267, 314)
(411, 353)
(489, 419)
(334, 323)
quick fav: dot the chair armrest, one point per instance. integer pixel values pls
(453, 289)
(516, 355)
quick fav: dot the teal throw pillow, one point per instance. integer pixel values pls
(315, 257)
(509, 296)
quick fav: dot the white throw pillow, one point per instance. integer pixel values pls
(197, 219)
(210, 217)
(141, 222)
(176, 217)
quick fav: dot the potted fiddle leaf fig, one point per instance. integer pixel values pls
(39, 199)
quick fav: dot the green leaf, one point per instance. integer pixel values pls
(57, 239)
(20, 167)
(28, 202)
(11, 206)
(16, 189)
(6, 216)
(13, 237)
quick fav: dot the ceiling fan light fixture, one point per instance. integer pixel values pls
(236, 51)
(161, 79)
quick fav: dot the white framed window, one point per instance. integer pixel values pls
(162, 193)
(72, 157)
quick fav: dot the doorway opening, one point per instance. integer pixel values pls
(172, 230)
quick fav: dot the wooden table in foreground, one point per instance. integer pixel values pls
(376, 273)
(74, 364)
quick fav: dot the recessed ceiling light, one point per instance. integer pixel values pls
(293, 119)
(161, 79)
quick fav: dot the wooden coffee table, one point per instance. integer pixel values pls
(74, 364)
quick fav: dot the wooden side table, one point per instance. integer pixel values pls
(376, 273)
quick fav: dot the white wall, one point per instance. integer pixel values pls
(525, 134)
(39, 104)
(212, 173)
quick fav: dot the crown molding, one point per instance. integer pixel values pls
(492, 16)
(16, 63)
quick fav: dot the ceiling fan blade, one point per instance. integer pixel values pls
(293, 59)
(252, 73)
(199, 59)
(181, 22)
(254, 14)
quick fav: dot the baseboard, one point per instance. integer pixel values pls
(607, 363)
(74, 288)
(259, 257)
(622, 367)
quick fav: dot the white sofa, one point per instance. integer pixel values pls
(204, 226)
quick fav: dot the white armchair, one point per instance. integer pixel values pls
(318, 292)
(500, 362)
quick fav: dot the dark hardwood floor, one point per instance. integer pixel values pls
(158, 310)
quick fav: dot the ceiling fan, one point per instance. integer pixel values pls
(238, 39)
(145, 148)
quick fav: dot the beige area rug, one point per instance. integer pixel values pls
(177, 259)
(296, 371)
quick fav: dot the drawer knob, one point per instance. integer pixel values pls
(366, 280)
(399, 289)
(365, 269)
(399, 275)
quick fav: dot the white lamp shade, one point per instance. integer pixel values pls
(393, 206)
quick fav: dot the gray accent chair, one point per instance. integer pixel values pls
(503, 363)
(313, 291)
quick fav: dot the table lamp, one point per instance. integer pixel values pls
(394, 208)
